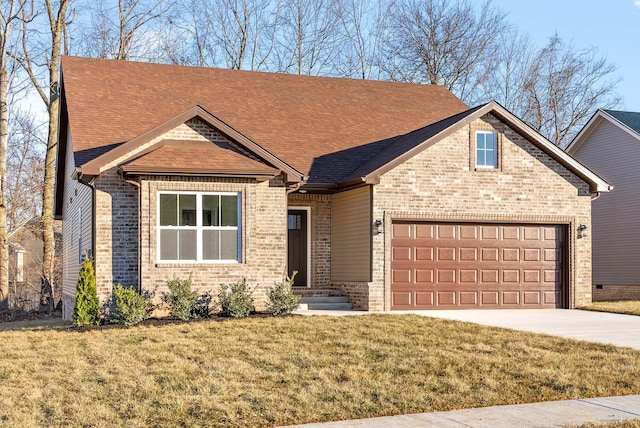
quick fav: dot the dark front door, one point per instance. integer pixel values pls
(297, 260)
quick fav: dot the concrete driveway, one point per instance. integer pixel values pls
(601, 327)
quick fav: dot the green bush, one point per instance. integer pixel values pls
(235, 300)
(131, 306)
(86, 310)
(282, 301)
(181, 300)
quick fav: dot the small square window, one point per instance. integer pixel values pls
(486, 149)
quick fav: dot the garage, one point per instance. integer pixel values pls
(478, 265)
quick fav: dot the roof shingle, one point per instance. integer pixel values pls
(323, 127)
(629, 118)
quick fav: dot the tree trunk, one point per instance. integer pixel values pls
(4, 133)
(49, 241)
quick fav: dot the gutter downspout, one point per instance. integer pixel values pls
(91, 185)
(138, 185)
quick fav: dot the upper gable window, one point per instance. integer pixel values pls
(486, 149)
(199, 227)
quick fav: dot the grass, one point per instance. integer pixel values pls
(278, 371)
(629, 307)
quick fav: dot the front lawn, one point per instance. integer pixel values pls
(277, 371)
(630, 307)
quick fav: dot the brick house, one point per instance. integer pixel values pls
(396, 195)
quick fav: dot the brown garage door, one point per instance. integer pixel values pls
(462, 265)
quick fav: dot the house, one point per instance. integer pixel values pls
(25, 265)
(396, 195)
(609, 144)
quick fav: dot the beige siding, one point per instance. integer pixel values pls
(76, 232)
(351, 235)
(615, 155)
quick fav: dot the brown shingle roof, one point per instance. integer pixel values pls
(196, 157)
(306, 121)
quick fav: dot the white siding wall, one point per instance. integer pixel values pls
(76, 197)
(615, 156)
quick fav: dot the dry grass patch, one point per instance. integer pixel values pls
(270, 371)
(629, 307)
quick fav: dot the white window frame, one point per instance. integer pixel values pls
(495, 150)
(199, 228)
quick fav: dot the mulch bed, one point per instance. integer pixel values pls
(12, 315)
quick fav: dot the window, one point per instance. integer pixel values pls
(199, 227)
(486, 149)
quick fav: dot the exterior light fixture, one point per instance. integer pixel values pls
(377, 227)
(583, 231)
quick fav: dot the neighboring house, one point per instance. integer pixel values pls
(25, 265)
(397, 195)
(609, 144)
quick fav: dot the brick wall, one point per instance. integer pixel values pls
(441, 183)
(117, 258)
(320, 224)
(264, 237)
(616, 292)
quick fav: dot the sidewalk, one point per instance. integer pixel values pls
(547, 414)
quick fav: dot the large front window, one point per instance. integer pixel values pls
(199, 227)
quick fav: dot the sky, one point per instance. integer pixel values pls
(611, 26)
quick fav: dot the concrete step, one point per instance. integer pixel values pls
(316, 292)
(329, 306)
(324, 299)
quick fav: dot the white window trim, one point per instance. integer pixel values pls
(199, 228)
(495, 151)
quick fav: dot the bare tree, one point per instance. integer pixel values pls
(26, 163)
(126, 30)
(236, 34)
(444, 43)
(363, 27)
(41, 60)
(10, 13)
(307, 36)
(563, 86)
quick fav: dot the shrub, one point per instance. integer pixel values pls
(282, 301)
(235, 300)
(131, 306)
(180, 299)
(86, 310)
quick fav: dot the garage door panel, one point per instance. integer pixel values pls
(424, 253)
(424, 276)
(490, 254)
(446, 298)
(531, 255)
(489, 298)
(468, 254)
(424, 231)
(448, 265)
(468, 298)
(531, 298)
(401, 253)
(490, 275)
(511, 298)
(401, 300)
(446, 276)
(424, 299)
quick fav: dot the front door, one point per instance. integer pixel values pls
(298, 257)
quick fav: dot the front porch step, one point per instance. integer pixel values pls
(316, 292)
(326, 303)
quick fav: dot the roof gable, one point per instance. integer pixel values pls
(628, 122)
(407, 146)
(125, 153)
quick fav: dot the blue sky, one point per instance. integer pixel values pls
(612, 26)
